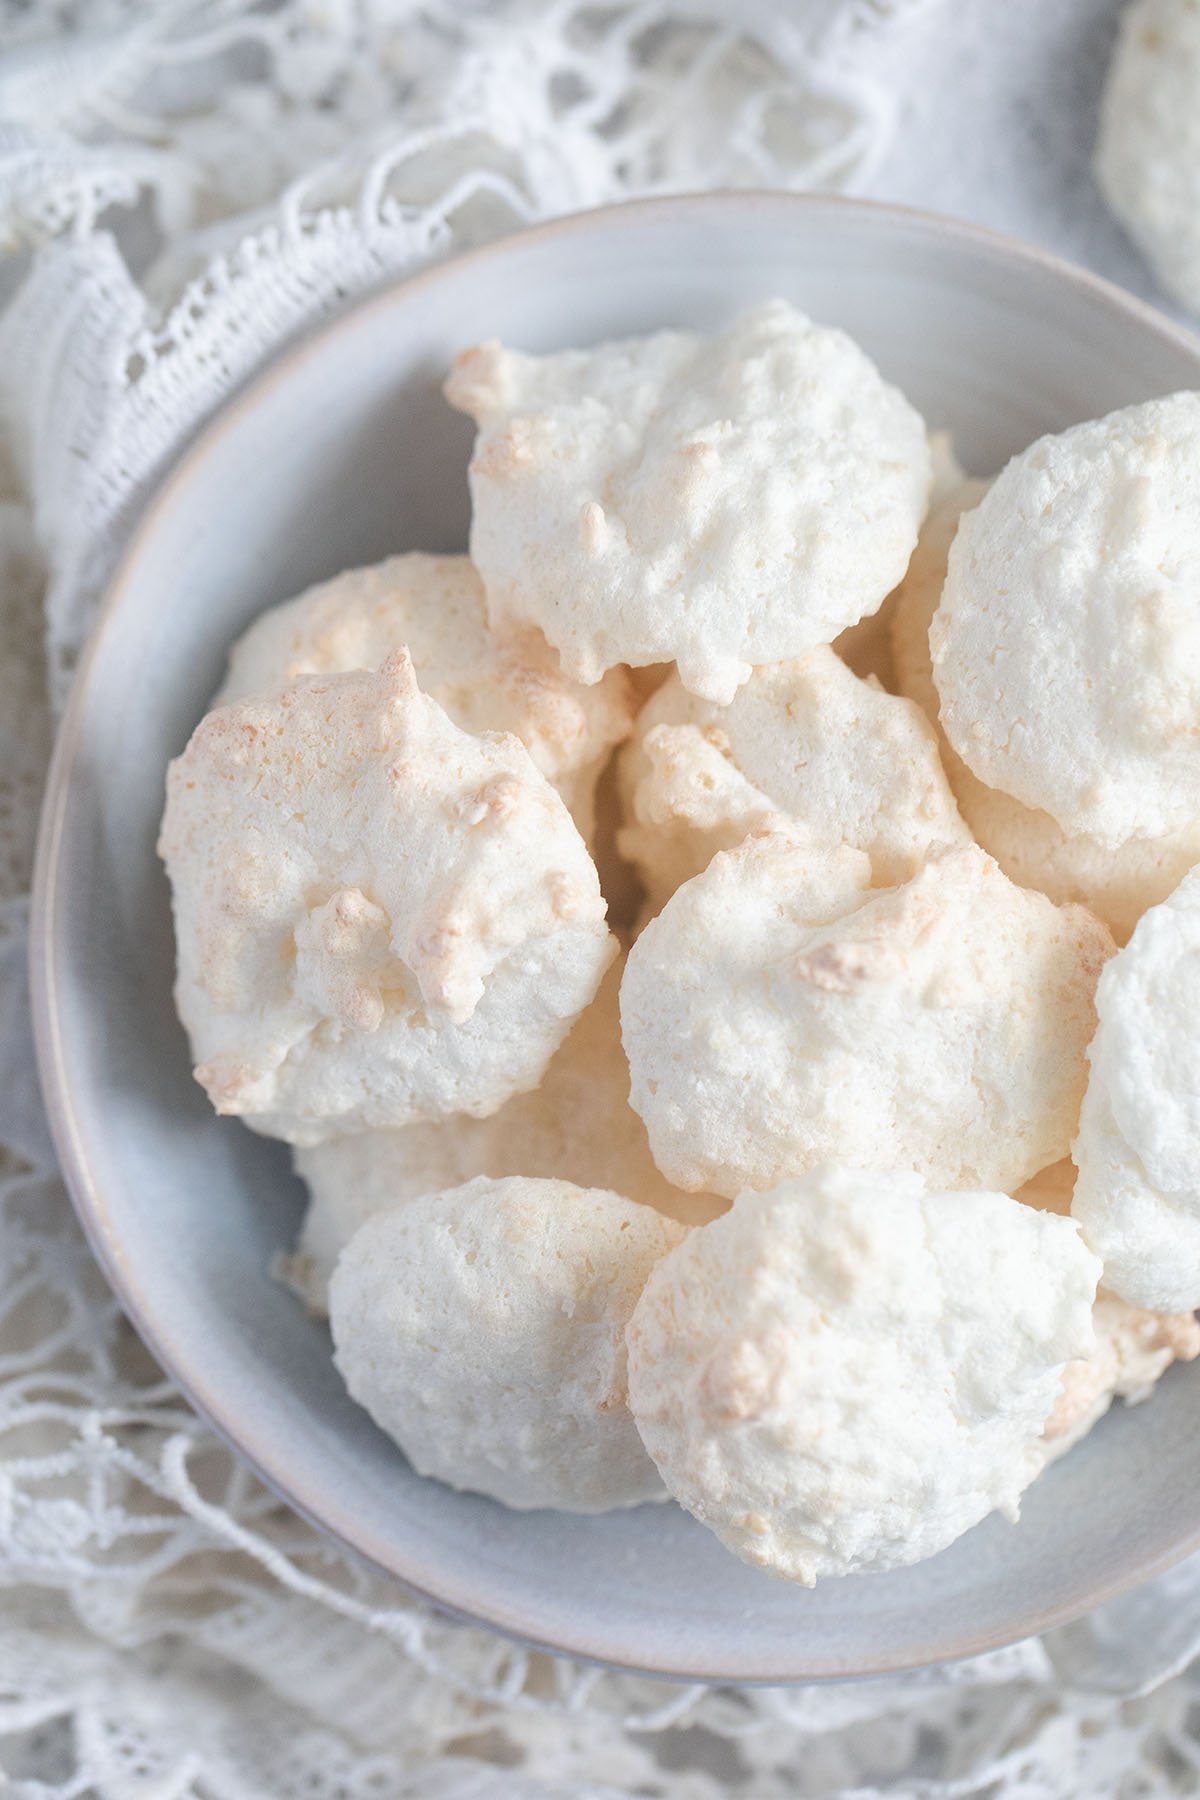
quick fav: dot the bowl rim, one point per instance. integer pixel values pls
(86, 1196)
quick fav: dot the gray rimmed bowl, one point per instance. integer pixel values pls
(340, 453)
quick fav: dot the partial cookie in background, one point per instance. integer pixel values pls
(433, 607)
(847, 1373)
(484, 1330)
(803, 740)
(779, 1014)
(1066, 644)
(717, 502)
(916, 599)
(1148, 150)
(1133, 1347)
(379, 918)
(577, 1126)
(1116, 883)
(1137, 1198)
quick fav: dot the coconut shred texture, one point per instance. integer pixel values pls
(713, 501)
(433, 607)
(1066, 645)
(379, 918)
(779, 1013)
(803, 740)
(1137, 1198)
(483, 1329)
(846, 1373)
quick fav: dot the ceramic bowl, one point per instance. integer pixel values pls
(341, 452)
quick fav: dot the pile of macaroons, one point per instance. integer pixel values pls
(847, 1181)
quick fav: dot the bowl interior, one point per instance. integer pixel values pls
(343, 452)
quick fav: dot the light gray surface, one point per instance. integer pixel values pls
(342, 453)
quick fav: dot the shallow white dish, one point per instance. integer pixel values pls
(342, 452)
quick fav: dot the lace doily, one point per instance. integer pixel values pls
(182, 188)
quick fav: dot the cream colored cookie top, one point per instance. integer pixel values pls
(847, 1372)
(804, 740)
(1137, 1198)
(778, 1015)
(433, 607)
(718, 502)
(378, 918)
(483, 1329)
(1118, 882)
(1148, 148)
(577, 1126)
(1066, 647)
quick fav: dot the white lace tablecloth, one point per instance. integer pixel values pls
(182, 186)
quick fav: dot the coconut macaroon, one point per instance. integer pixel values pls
(1134, 1348)
(717, 502)
(1137, 1198)
(779, 1014)
(1116, 882)
(378, 918)
(1066, 645)
(804, 740)
(577, 1126)
(433, 607)
(1148, 149)
(847, 1372)
(483, 1329)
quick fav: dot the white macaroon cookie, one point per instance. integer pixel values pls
(378, 918)
(804, 740)
(1066, 645)
(847, 1373)
(576, 1126)
(1148, 148)
(716, 502)
(433, 607)
(484, 1330)
(1137, 1198)
(779, 1013)
(1116, 882)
